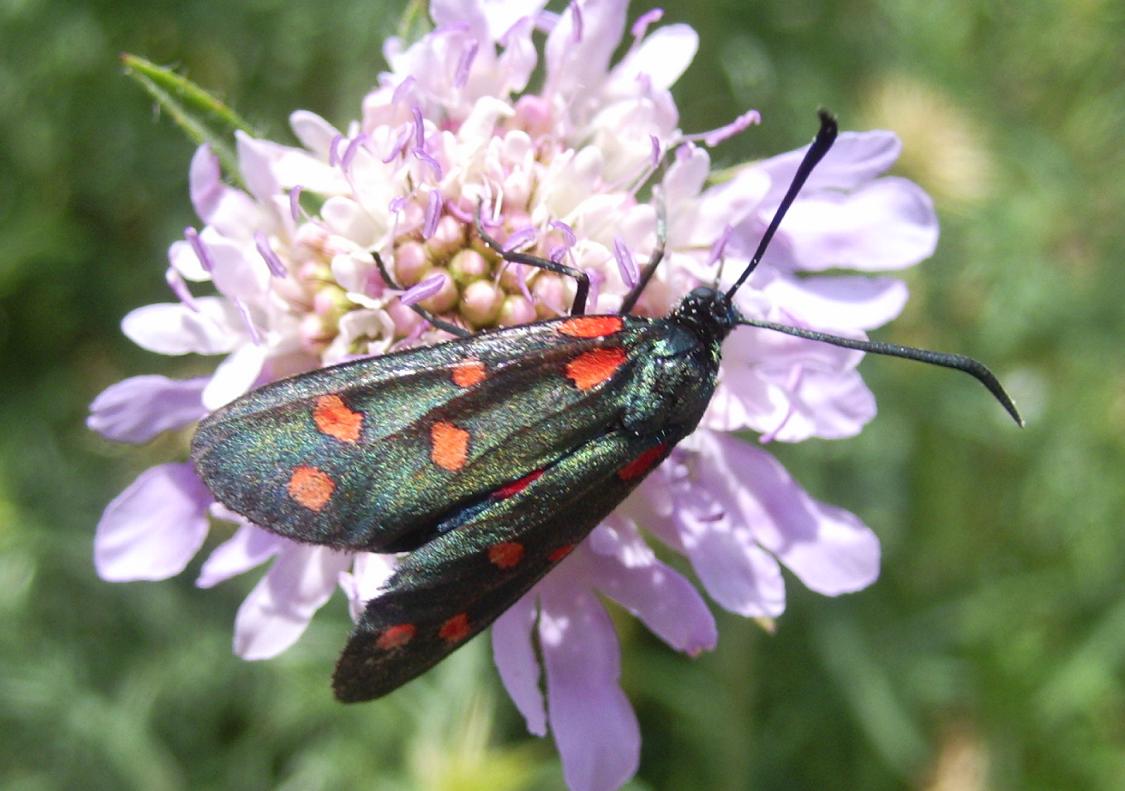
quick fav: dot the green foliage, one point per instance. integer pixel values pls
(990, 654)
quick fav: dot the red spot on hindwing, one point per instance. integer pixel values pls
(449, 446)
(333, 417)
(455, 629)
(644, 462)
(591, 368)
(558, 553)
(469, 373)
(395, 636)
(515, 487)
(310, 487)
(506, 554)
(591, 326)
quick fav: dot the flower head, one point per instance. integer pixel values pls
(579, 172)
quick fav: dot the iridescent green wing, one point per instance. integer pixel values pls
(373, 454)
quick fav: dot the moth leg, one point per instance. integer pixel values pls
(657, 255)
(579, 306)
(440, 324)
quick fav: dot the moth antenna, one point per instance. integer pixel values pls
(820, 145)
(580, 293)
(958, 362)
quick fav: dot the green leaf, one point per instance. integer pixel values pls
(202, 116)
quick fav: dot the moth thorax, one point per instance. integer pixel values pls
(708, 313)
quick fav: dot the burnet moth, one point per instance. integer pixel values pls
(486, 458)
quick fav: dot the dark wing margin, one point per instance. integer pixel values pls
(451, 588)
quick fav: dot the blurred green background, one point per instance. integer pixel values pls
(989, 655)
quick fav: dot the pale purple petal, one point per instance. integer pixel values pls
(234, 376)
(152, 529)
(839, 303)
(855, 159)
(295, 203)
(625, 568)
(369, 573)
(255, 158)
(582, 67)
(514, 654)
(173, 328)
(887, 224)
(738, 574)
(595, 728)
(248, 548)
(660, 59)
(238, 271)
(137, 409)
(217, 204)
(830, 550)
(315, 133)
(277, 611)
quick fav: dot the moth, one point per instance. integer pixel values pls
(486, 458)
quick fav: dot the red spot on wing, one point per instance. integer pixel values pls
(333, 417)
(591, 326)
(558, 553)
(506, 554)
(455, 629)
(449, 446)
(469, 373)
(594, 367)
(310, 487)
(395, 636)
(643, 463)
(515, 487)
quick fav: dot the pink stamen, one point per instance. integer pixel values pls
(625, 263)
(295, 203)
(461, 76)
(719, 246)
(176, 282)
(277, 269)
(419, 127)
(424, 290)
(201, 251)
(596, 280)
(519, 238)
(433, 214)
(403, 88)
(644, 20)
(576, 33)
(333, 146)
(244, 311)
(350, 151)
(462, 215)
(521, 281)
(716, 136)
(401, 143)
(566, 231)
(396, 204)
(657, 150)
(433, 164)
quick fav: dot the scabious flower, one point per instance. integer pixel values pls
(574, 171)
